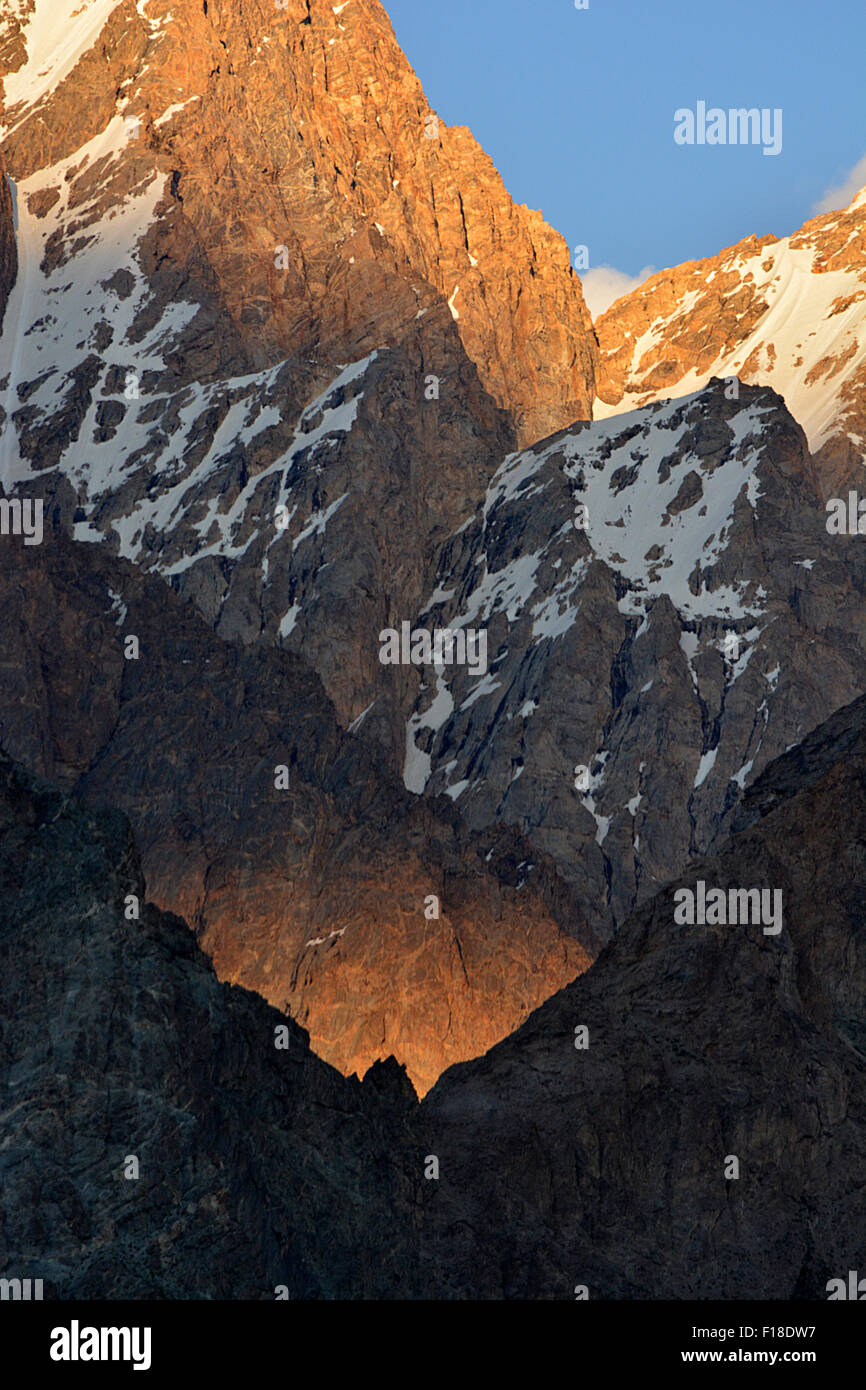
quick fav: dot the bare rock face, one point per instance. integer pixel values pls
(609, 1165)
(8, 253)
(303, 127)
(372, 918)
(666, 614)
(118, 1042)
(606, 1166)
(786, 312)
(275, 324)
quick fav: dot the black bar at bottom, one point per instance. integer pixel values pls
(266, 1338)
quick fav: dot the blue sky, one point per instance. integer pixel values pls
(576, 109)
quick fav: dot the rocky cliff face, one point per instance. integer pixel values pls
(609, 1166)
(300, 127)
(8, 252)
(666, 613)
(275, 325)
(786, 312)
(279, 341)
(158, 396)
(118, 1042)
(606, 1166)
(373, 918)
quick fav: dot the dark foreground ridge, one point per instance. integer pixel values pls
(606, 1167)
(558, 1167)
(259, 1166)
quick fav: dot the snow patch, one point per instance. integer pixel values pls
(705, 767)
(57, 34)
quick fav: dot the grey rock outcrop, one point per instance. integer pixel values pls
(665, 610)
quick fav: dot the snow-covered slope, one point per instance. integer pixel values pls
(142, 461)
(99, 390)
(787, 313)
(55, 34)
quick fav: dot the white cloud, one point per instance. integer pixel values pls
(841, 196)
(604, 283)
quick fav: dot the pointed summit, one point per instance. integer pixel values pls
(300, 127)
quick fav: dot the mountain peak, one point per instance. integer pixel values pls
(305, 129)
(786, 312)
